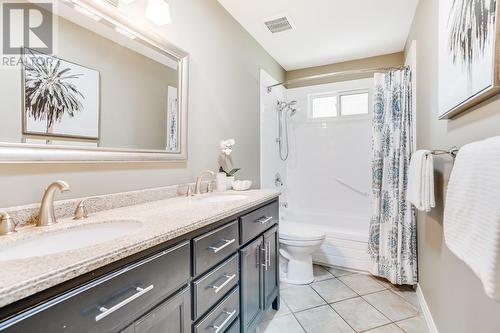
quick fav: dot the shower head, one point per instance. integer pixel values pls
(291, 109)
(283, 105)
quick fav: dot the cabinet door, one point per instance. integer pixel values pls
(251, 284)
(271, 267)
(172, 316)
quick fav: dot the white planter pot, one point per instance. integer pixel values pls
(221, 181)
(229, 182)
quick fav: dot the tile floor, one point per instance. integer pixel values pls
(339, 301)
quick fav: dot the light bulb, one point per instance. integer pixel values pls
(158, 12)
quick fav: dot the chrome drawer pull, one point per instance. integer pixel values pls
(268, 254)
(106, 312)
(264, 220)
(224, 323)
(229, 278)
(227, 242)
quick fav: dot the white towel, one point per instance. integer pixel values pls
(472, 211)
(421, 180)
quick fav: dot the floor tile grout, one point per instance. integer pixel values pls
(345, 299)
(404, 300)
(298, 321)
(385, 289)
(391, 288)
(345, 321)
(328, 304)
(314, 307)
(361, 296)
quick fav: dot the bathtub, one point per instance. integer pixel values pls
(346, 239)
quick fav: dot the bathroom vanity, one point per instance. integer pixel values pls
(219, 277)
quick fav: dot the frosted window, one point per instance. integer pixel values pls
(324, 106)
(354, 104)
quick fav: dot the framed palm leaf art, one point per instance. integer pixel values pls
(468, 54)
(61, 98)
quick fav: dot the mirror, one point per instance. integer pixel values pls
(106, 90)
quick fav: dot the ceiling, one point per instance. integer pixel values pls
(326, 31)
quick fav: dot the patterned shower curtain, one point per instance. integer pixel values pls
(393, 238)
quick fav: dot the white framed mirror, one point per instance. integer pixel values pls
(109, 90)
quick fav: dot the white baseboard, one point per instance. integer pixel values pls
(431, 325)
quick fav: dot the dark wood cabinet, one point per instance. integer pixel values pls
(259, 278)
(110, 302)
(271, 270)
(220, 278)
(173, 315)
(252, 306)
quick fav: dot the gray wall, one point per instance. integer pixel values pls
(133, 88)
(223, 102)
(387, 60)
(454, 294)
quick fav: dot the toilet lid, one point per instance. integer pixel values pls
(298, 231)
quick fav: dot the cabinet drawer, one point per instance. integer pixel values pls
(170, 316)
(211, 248)
(220, 318)
(109, 302)
(256, 222)
(210, 288)
(235, 327)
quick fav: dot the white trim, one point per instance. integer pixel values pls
(431, 325)
(265, 80)
(411, 60)
(338, 96)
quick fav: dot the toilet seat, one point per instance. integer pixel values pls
(290, 231)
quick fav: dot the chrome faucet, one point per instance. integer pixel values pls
(47, 215)
(197, 189)
(7, 226)
(81, 211)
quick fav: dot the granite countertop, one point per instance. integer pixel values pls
(161, 221)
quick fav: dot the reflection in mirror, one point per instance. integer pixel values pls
(103, 86)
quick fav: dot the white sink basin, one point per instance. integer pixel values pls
(69, 239)
(224, 198)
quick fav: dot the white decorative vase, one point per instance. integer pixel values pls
(229, 182)
(221, 181)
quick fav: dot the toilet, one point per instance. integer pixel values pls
(297, 244)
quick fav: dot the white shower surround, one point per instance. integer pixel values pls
(315, 198)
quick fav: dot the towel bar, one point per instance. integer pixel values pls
(452, 152)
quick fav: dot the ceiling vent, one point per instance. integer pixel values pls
(279, 23)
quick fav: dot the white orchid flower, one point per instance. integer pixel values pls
(226, 146)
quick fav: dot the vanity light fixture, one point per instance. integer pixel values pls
(158, 12)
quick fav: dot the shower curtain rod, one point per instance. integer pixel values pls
(332, 74)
